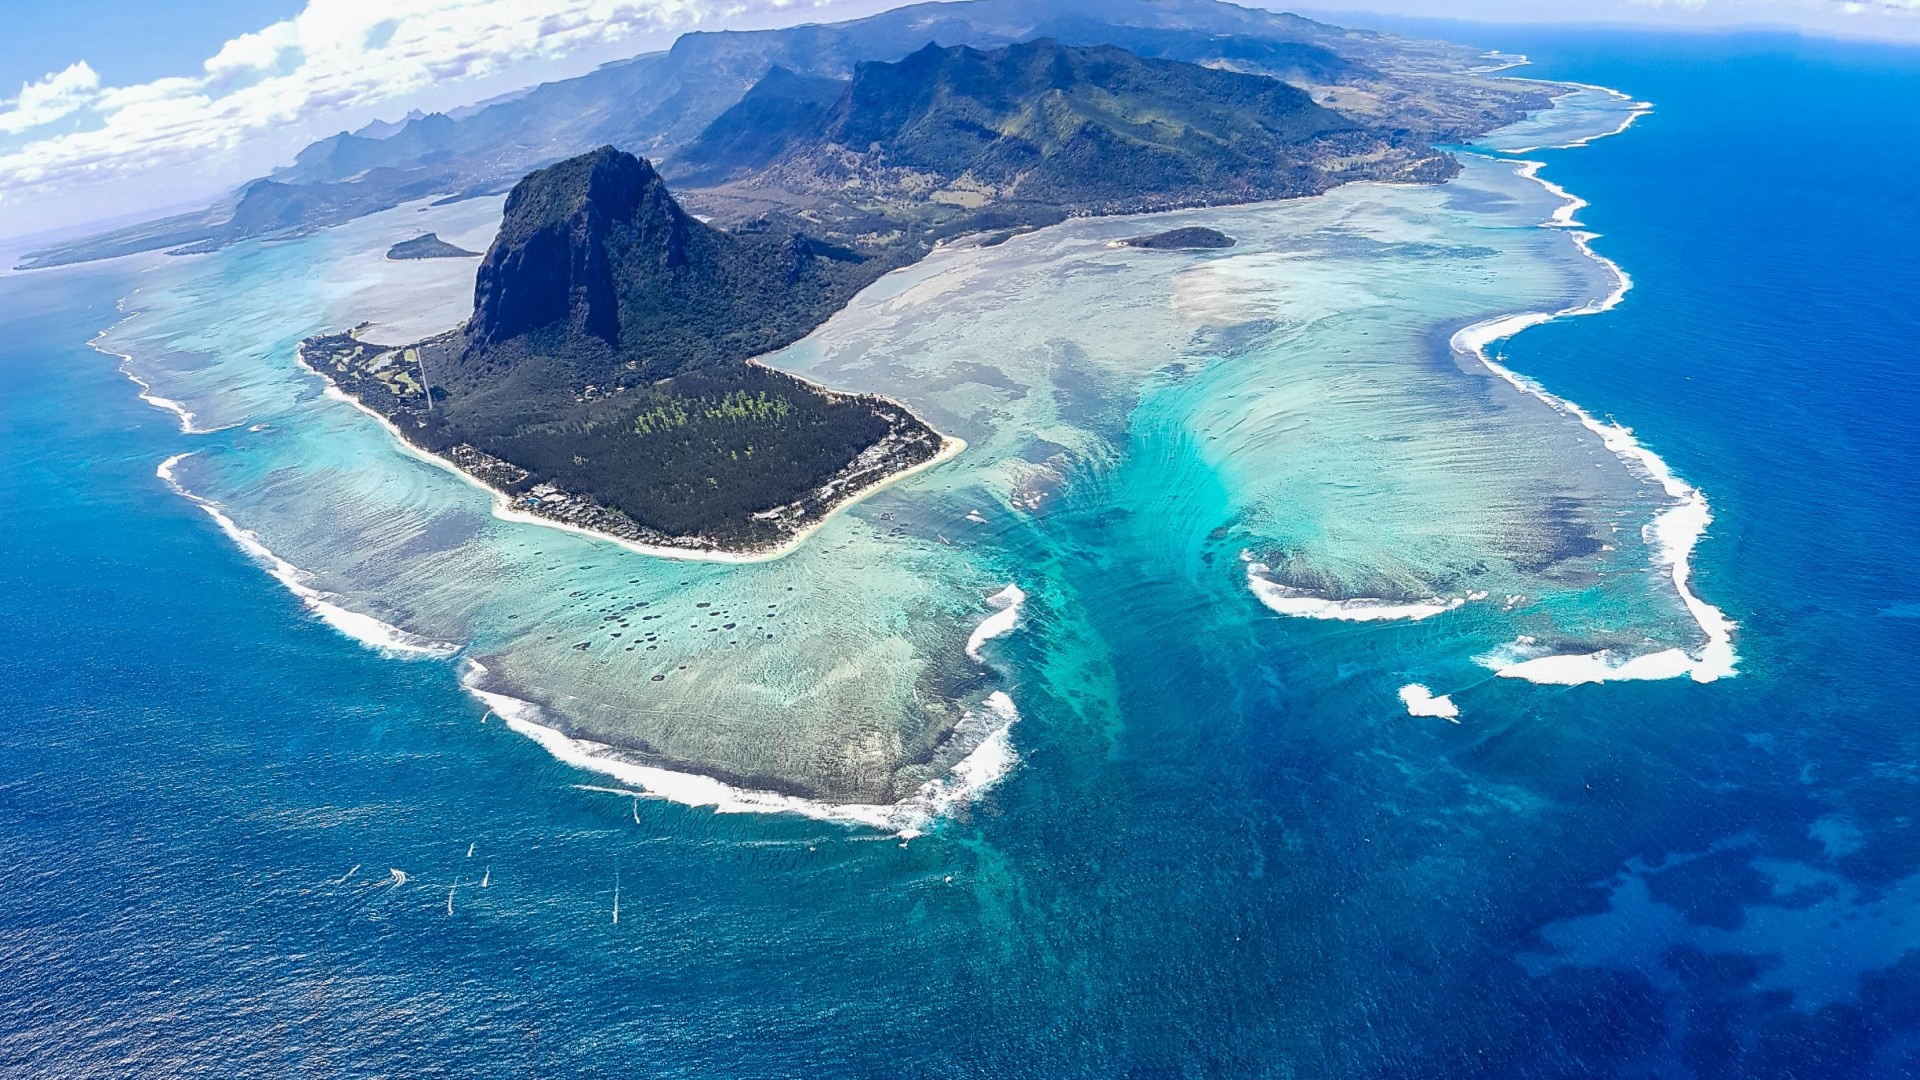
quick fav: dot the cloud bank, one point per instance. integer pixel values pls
(67, 132)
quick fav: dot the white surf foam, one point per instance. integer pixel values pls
(1673, 532)
(1632, 112)
(984, 766)
(146, 394)
(180, 412)
(1302, 605)
(1502, 61)
(1521, 661)
(1001, 622)
(1635, 110)
(1421, 701)
(365, 629)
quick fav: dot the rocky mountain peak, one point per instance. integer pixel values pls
(550, 262)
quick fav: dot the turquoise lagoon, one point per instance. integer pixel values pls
(1302, 426)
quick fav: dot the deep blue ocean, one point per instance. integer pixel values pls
(1245, 874)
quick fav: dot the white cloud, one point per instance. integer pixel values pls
(335, 57)
(253, 53)
(55, 97)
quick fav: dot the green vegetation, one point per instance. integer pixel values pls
(607, 357)
(1191, 238)
(1075, 129)
(428, 246)
(736, 407)
(665, 101)
(700, 454)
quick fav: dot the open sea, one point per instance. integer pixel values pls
(1357, 709)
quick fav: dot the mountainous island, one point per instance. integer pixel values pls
(605, 379)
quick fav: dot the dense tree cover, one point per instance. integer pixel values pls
(1191, 237)
(699, 454)
(780, 110)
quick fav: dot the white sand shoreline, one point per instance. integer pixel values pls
(503, 509)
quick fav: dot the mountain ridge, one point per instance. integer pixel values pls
(1089, 129)
(658, 102)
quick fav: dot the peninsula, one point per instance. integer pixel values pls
(604, 382)
(605, 379)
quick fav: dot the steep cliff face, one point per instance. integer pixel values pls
(552, 261)
(599, 278)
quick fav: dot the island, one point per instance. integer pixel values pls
(428, 246)
(1191, 238)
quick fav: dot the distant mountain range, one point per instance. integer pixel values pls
(1081, 130)
(663, 103)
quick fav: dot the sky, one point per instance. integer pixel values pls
(128, 108)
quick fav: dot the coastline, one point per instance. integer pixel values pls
(146, 394)
(503, 509)
(985, 762)
(1636, 110)
(381, 636)
(983, 766)
(990, 759)
(993, 755)
(1676, 529)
